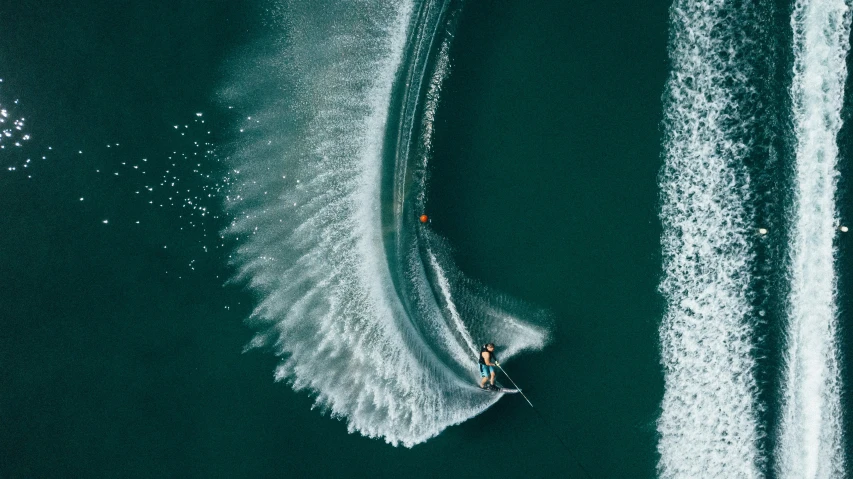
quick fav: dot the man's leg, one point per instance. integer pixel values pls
(483, 382)
(492, 377)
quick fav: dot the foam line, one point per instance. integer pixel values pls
(810, 443)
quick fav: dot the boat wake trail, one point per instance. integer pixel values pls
(810, 442)
(360, 301)
(709, 421)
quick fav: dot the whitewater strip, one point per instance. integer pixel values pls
(810, 443)
(708, 425)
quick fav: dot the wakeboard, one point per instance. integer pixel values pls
(500, 389)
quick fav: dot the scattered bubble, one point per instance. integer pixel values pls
(188, 179)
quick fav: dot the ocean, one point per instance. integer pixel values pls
(213, 262)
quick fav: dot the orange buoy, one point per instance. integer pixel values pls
(424, 218)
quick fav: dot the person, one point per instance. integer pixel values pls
(488, 361)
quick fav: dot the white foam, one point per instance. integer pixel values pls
(433, 94)
(810, 441)
(708, 425)
(307, 214)
(456, 318)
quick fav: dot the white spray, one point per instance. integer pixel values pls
(306, 198)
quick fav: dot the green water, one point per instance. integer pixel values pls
(120, 360)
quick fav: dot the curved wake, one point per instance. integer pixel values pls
(360, 302)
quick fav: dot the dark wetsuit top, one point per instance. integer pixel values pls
(491, 355)
(486, 370)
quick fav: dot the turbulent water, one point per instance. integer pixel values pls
(708, 425)
(711, 423)
(810, 442)
(361, 301)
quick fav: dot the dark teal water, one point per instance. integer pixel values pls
(121, 345)
(121, 360)
(544, 180)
